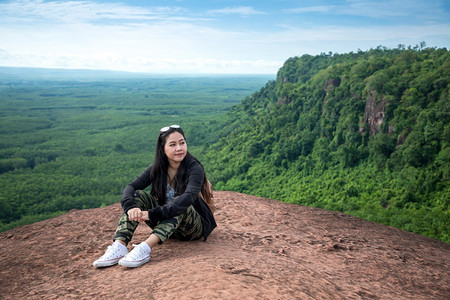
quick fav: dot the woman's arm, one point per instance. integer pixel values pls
(179, 205)
(139, 183)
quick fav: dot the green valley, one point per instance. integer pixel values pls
(74, 139)
(364, 133)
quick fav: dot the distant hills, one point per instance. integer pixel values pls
(85, 74)
(44, 73)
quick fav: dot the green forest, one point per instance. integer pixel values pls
(366, 133)
(75, 139)
(363, 133)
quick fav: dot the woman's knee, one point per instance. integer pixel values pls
(143, 200)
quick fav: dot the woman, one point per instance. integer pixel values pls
(173, 207)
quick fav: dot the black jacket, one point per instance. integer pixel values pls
(194, 178)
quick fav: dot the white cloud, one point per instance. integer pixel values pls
(389, 8)
(85, 34)
(308, 9)
(376, 9)
(342, 33)
(239, 10)
(82, 11)
(113, 61)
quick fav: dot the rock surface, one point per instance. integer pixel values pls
(262, 249)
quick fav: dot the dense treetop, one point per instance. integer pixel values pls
(365, 133)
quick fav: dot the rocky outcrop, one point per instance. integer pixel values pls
(331, 84)
(374, 114)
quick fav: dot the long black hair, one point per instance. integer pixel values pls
(161, 166)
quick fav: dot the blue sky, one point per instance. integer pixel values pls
(215, 36)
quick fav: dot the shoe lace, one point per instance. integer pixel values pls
(137, 252)
(110, 251)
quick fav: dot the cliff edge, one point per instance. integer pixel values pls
(262, 249)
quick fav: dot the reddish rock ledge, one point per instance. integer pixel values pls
(262, 249)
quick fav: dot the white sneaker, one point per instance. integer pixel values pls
(136, 257)
(112, 255)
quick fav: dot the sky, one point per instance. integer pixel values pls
(213, 36)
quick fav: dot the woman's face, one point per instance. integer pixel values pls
(175, 147)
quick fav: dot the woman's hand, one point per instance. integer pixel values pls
(138, 215)
(144, 216)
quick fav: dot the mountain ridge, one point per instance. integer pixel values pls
(364, 133)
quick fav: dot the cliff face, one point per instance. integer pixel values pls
(331, 84)
(262, 249)
(374, 114)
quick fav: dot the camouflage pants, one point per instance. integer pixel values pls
(187, 226)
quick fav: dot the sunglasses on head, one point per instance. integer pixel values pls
(164, 129)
